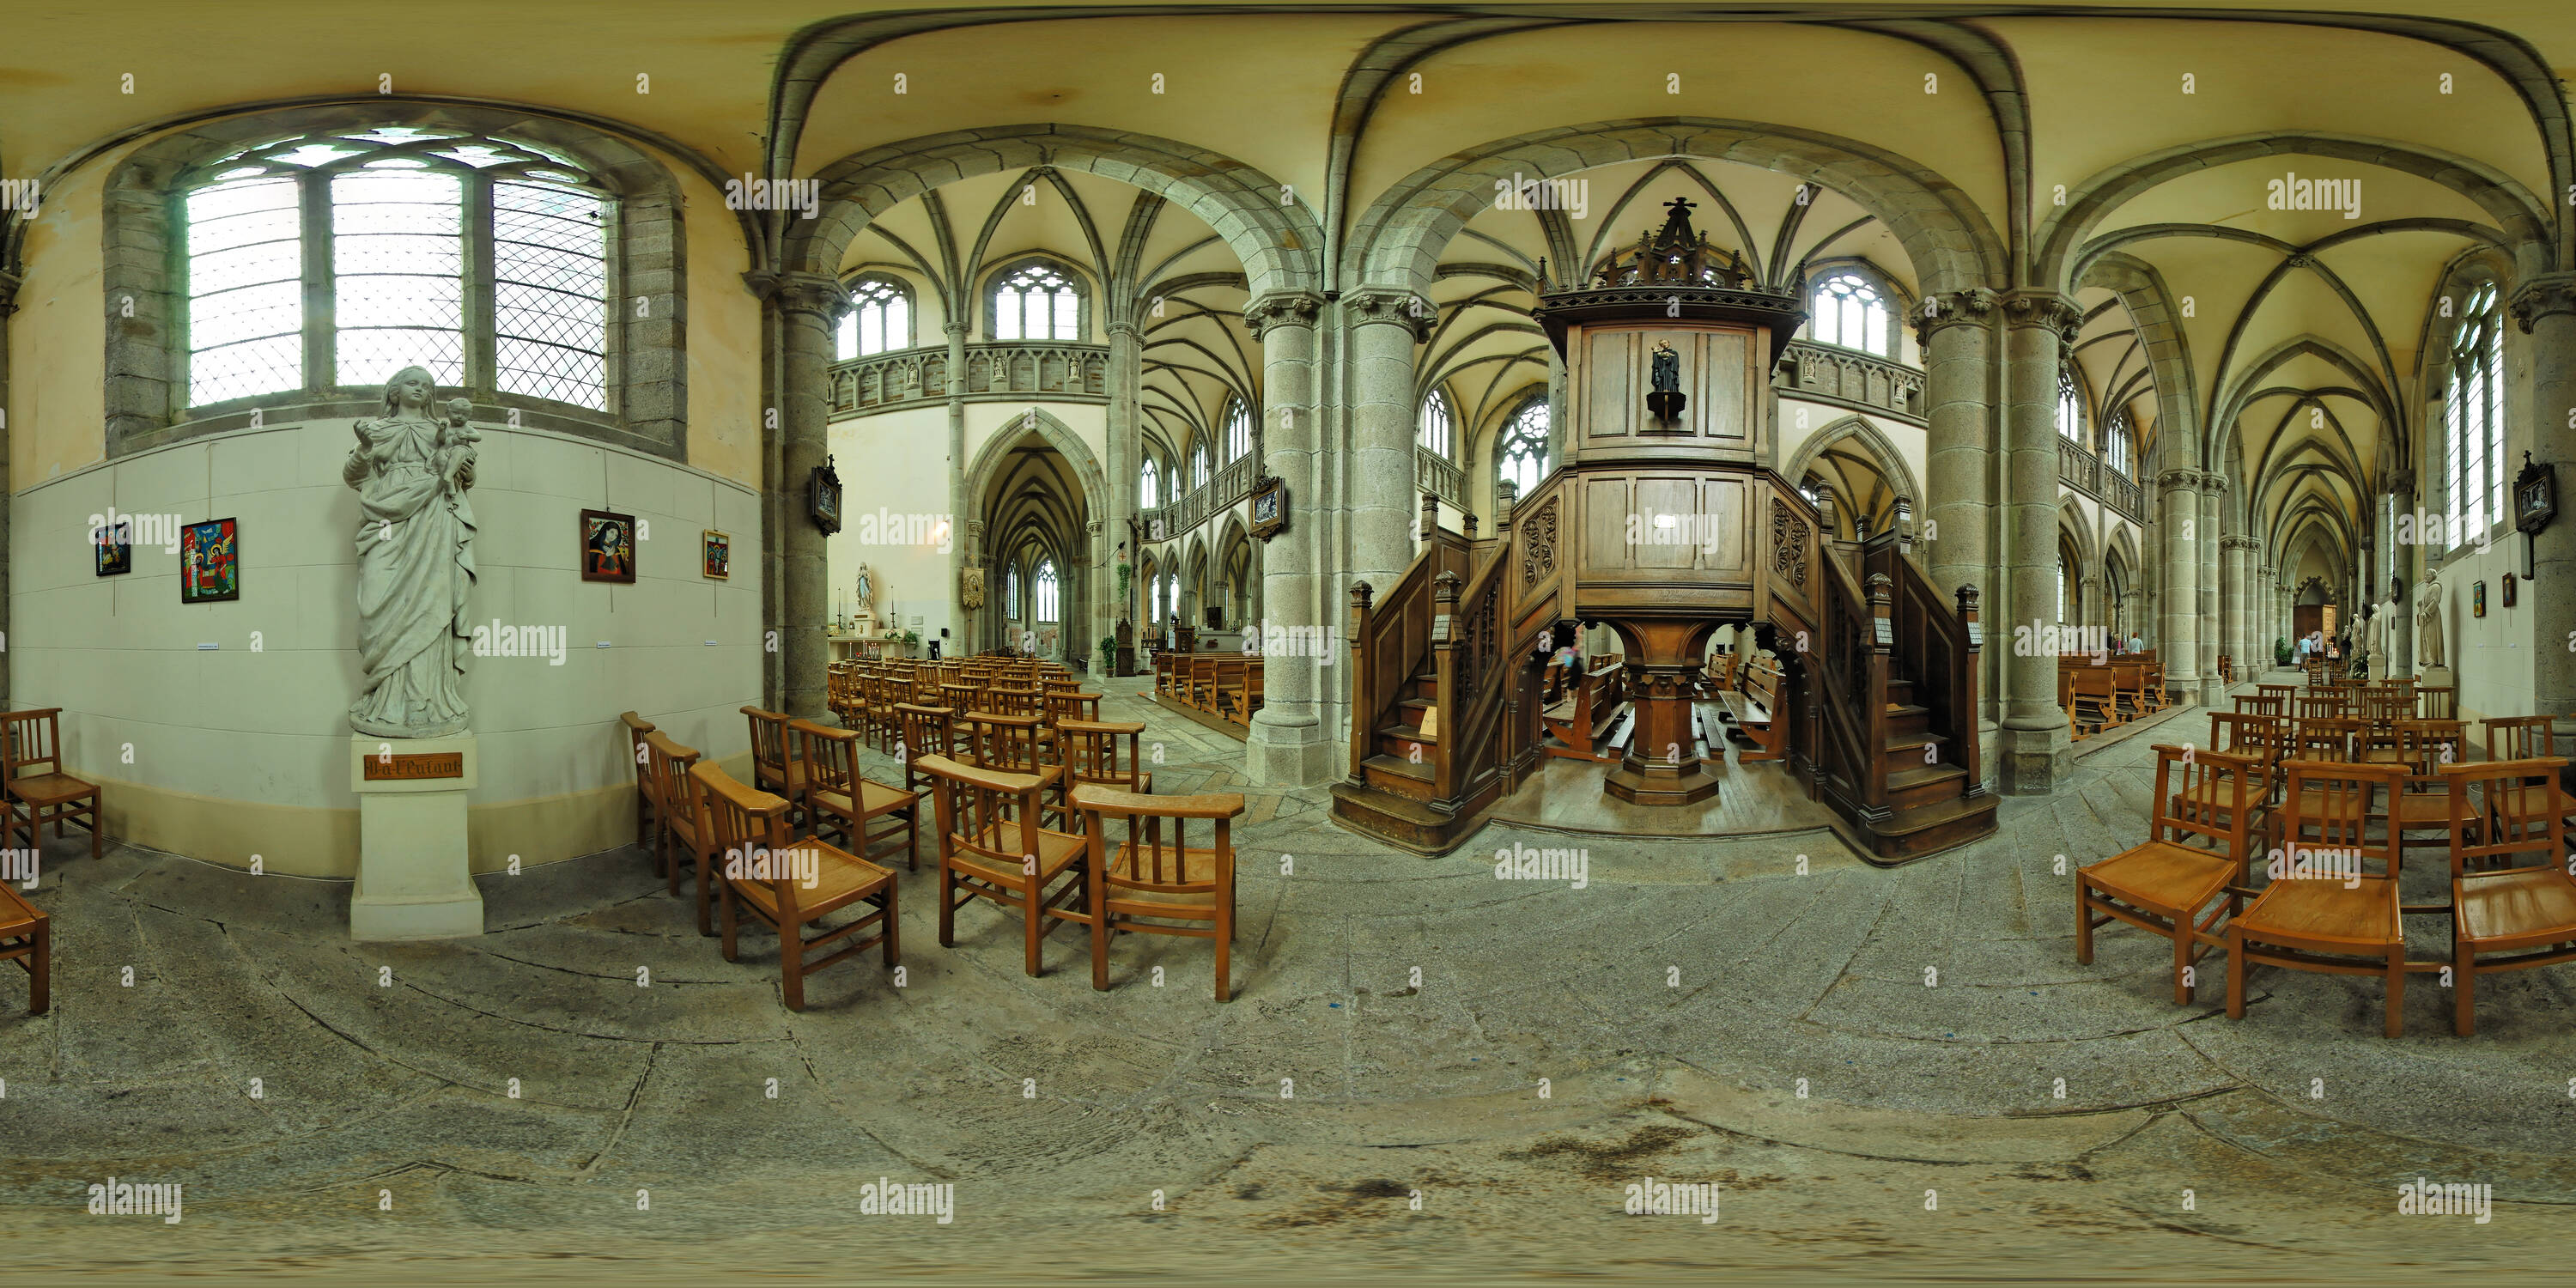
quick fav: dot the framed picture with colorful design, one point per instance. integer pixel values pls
(209, 561)
(114, 545)
(2478, 600)
(607, 546)
(718, 554)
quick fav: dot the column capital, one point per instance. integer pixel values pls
(1974, 306)
(2179, 480)
(2043, 309)
(818, 293)
(2213, 482)
(1392, 306)
(2235, 542)
(1121, 326)
(2540, 295)
(2401, 482)
(1282, 308)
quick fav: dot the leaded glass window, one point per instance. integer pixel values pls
(1036, 303)
(1522, 453)
(1198, 466)
(1238, 431)
(1849, 312)
(2473, 420)
(1046, 591)
(2070, 407)
(415, 223)
(1146, 496)
(879, 320)
(1434, 432)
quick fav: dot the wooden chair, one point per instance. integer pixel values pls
(775, 766)
(1104, 755)
(928, 731)
(31, 762)
(1070, 704)
(2424, 748)
(964, 699)
(2284, 692)
(2436, 702)
(2257, 705)
(2316, 706)
(1011, 700)
(2196, 856)
(1151, 880)
(27, 938)
(751, 828)
(2527, 911)
(992, 846)
(2323, 924)
(683, 829)
(636, 727)
(839, 800)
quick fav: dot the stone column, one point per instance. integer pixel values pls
(2179, 644)
(2213, 495)
(809, 307)
(962, 516)
(1956, 332)
(1385, 326)
(2401, 565)
(2544, 306)
(2260, 589)
(2236, 603)
(2038, 326)
(1126, 456)
(1287, 744)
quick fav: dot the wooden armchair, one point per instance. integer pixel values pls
(2520, 915)
(2423, 803)
(1104, 755)
(992, 846)
(636, 727)
(31, 762)
(1151, 880)
(2436, 702)
(2258, 705)
(1070, 704)
(761, 857)
(27, 938)
(2197, 856)
(2345, 922)
(775, 764)
(682, 831)
(839, 800)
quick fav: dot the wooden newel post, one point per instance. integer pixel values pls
(1362, 707)
(1967, 689)
(1444, 701)
(1507, 496)
(1430, 516)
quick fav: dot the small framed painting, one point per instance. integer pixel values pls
(1269, 507)
(718, 555)
(607, 546)
(210, 561)
(114, 544)
(2478, 599)
(2509, 586)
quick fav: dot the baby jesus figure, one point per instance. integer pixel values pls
(456, 442)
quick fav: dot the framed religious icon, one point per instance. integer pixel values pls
(823, 496)
(2535, 497)
(2478, 599)
(114, 547)
(717, 554)
(1269, 507)
(2509, 587)
(210, 561)
(607, 546)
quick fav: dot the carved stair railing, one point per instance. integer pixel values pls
(1846, 665)
(1939, 640)
(1391, 639)
(1475, 682)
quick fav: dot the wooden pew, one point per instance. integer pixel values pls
(1582, 721)
(1750, 705)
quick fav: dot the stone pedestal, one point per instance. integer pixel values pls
(2438, 677)
(413, 882)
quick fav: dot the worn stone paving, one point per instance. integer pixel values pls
(1869, 1061)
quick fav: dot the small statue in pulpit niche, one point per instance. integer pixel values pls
(1665, 377)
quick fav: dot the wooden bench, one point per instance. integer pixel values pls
(26, 937)
(1749, 709)
(1583, 720)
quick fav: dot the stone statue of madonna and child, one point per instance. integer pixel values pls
(415, 546)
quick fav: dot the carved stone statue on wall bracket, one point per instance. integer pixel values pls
(2428, 624)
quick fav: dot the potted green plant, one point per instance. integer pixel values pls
(2280, 652)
